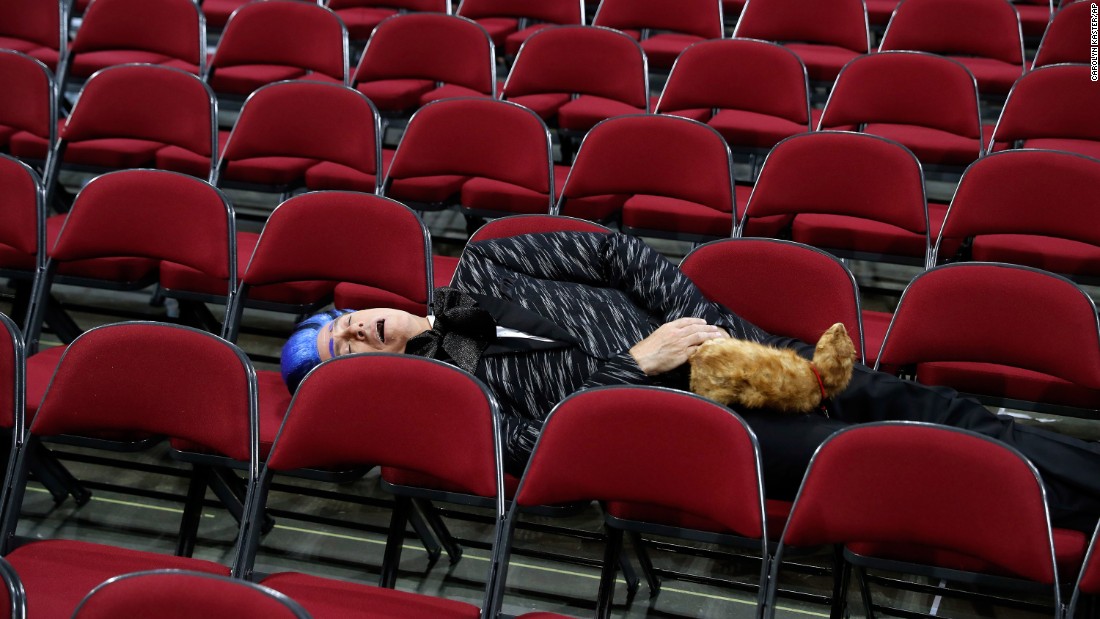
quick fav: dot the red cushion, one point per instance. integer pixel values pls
(392, 95)
(359, 296)
(40, 369)
(109, 269)
(545, 105)
(268, 170)
(217, 12)
(499, 28)
(1090, 148)
(1069, 552)
(274, 402)
(661, 50)
(326, 598)
(57, 574)
(584, 112)
(403, 477)
(443, 270)
(823, 62)
(448, 91)
(180, 159)
(880, 11)
(47, 55)
(701, 115)
(16, 260)
(360, 21)
(493, 195)
(29, 146)
(753, 130)
(329, 175)
(874, 331)
(516, 39)
(988, 378)
(113, 153)
(427, 189)
(242, 80)
(994, 76)
(1049, 254)
(87, 63)
(841, 231)
(930, 145)
(673, 215)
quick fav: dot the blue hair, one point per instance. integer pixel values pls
(300, 351)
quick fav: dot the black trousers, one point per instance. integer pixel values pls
(1069, 467)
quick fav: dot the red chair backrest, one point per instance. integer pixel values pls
(431, 46)
(26, 100)
(738, 74)
(145, 102)
(1067, 36)
(654, 155)
(926, 485)
(1032, 192)
(315, 120)
(476, 137)
(550, 11)
(515, 225)
(582, 60)
(836, 22)
(1051, 102)
(151, 214)
(817, 292)
(653, 446)
(985, 28)
(284, 32)
(400, 411)
(842, 173)
(911, 88)
(32, 20)
(344, 236)
(699, 17)
(1000, 314)
(155, 378)
(169, 27)
(21, 204)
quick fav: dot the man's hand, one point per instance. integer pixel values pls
(672, 343)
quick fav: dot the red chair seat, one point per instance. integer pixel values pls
(5, 136)
(775, 512)
(1069, 552)
(87, 63)
(448, 91)
(57, 574)
(1047, 253)
(40, 369)
(701, 115)
(217, 12)
(661, 213)
(584, 112)
(545, 105)
(330, 175)
(426, 189)
(47, 55)
(274, 400)
(243, 79)
(28, 145)
(499, 28)
(360, 296)
(113, 153)
(15, 259)
(494, 195)
(393, 95)
(515, 40)
(1012, 382)
(361, 20)
(325, 598)
(880, 11)
(1089, 148)
(662, 49)
(930, 145)
(1033, 18)
(443, 270)
(753, 130)
(994, 76)
(874, 331)
(112, 269)
(268, 170)
(404, 477)
(180, 159)
(823, 62)
(858, 234)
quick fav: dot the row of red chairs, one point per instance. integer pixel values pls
(883, 491)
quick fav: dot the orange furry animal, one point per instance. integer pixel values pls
(736, 372)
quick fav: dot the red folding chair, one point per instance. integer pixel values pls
(511, 22)
(665, 30)
(928, 500)
(1032, 207)
(362, 16)
(22, 230)
(1067, 36)
(1049, 108)
(115, 381)
(38, 28)
(183, 594)
(28, 108)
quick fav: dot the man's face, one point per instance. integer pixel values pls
(373, 330)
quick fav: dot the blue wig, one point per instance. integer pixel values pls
(300, 351)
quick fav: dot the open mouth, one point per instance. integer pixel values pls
(380, 329)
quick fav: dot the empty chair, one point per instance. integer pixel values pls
(741, 275)
(1034, 16)
(511, 22)
(676, 176)
(855, 194)
(576, 76)
(112, 382)
(341, 416)
(167, 32)
(38, 28)
(825, 35)
(417, 58)
(1030, 207)
(754, 93)
(647, 452)
(984, 35)
(1051, 107)
(1010, 335)
(129, 115)
(926, 102)
(884, 492)
(28, 108)
(362, 16)
(665, 29)
(268, 41)
(1067, 37)
(296, 134)
(183, 594)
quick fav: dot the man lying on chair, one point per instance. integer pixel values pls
(538, 317)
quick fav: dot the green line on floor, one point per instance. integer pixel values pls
(174, 510)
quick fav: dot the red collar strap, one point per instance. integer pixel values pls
(821, 385)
